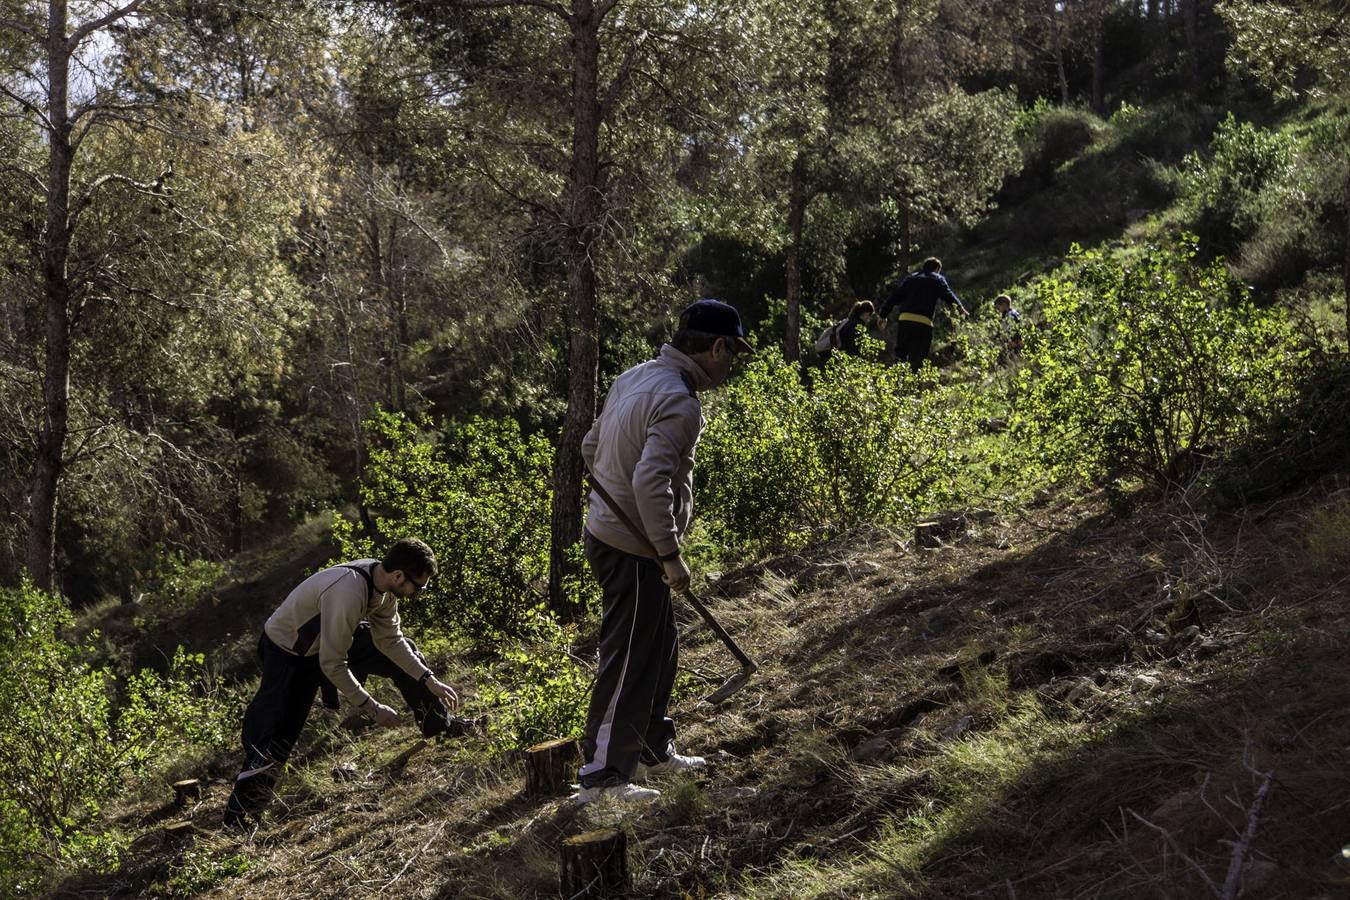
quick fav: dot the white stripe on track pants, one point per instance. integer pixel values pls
(639, 648)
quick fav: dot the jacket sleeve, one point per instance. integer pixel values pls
(892, 297)
(671, 435)
(339, 615)
(387, 634)
(950, 295)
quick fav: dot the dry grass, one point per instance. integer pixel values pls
(969, 721)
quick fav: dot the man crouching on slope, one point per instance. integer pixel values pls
(641, 450)
(338, 627)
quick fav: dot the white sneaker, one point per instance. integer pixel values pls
(626, 792)
(671, 765)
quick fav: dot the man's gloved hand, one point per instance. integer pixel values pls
(676, 574)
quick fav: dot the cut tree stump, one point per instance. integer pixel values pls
(927, 535)
(187, 789)
(594, 864)
(177, 834)
(550, 767)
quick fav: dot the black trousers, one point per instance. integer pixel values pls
(912, 343)
(639, 650)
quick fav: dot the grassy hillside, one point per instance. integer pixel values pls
(1081, 693)
(1052, 704)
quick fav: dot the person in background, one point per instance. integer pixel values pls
(859, 317)
(1010, 323)
(915, 300)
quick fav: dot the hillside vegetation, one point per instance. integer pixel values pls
(332, 280)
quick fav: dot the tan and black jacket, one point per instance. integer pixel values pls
(320, 616)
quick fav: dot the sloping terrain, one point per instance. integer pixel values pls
(1056, 702)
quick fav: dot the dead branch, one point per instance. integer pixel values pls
(1176, 848)
(1232, 884)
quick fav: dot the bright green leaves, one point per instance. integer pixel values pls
(1148, 369)
(478, 494)
(781, 459)
(68, 747)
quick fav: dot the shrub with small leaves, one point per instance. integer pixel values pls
(478, 494)
(1147, 369)
(863, 443)
(70, 744)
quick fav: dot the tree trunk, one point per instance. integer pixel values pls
(792, 339)
(582, 296)
(1345, 264)
(1190, 19)
(1099, 64)
(1058, 46)
(51, 442)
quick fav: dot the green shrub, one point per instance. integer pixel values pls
(1050, 136)
(535, 692)
(180, 583)
(1243, 183)
(70, 746)
(478, 494)
(864, 443)
(1150, 368)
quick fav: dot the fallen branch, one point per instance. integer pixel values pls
(413, 857)
(1233, 883)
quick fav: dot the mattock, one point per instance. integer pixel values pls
(748, 665)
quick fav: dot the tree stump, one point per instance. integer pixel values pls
(550, 767)
(927, 535)
(594, 864)
(187, 789)
(177, 834)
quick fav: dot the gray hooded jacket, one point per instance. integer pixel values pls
(641, 450)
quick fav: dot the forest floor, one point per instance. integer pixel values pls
(1064, 702)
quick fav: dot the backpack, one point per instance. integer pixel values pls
(829, 338)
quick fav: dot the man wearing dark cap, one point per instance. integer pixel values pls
(641, 450)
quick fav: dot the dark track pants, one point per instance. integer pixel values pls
(639, 648)
(278, 712)
(912, 343)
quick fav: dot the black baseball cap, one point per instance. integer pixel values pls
(715, 317)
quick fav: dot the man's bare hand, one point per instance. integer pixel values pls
(676, 574)
(443, 692)
(383, 715)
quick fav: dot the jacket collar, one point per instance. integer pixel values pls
(693, 372)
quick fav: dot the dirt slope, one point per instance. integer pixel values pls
(1057, 703)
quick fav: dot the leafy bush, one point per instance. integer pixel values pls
(865, 443)
(69, 744)
(1243, 183)
(478, 494)
(535, 692)
(1149, 369)
(1050, 136)
(179, 583)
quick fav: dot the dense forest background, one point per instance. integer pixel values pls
(373, 263)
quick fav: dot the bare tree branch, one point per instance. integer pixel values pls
(554, 8)
(27, 105)
(611, 93)
(93, 25)
(15, 25)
